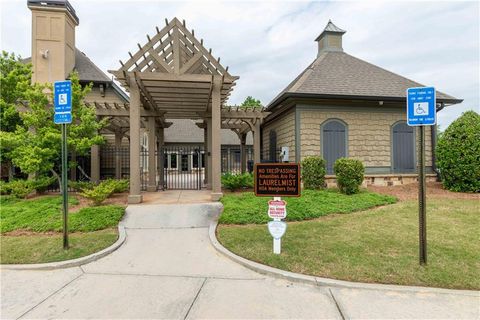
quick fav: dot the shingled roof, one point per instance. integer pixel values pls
(87, 70)
(336, 74)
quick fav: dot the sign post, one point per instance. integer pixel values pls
(421, 111)
(277, 179)
(63, 115)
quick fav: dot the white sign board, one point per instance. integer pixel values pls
(277, 209)
(277, 228)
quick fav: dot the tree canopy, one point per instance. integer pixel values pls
(29, 138)
(251, 102)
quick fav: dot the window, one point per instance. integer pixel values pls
(273, 146)
(173, 160)
(334, 142)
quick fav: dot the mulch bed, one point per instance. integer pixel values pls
(410, 192)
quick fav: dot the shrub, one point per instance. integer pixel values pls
(4, 187)
(20, 188)
(81, 185)
(349, 174)
(313, 172)
(99, 193)
(458, 154)
(42, 183)
(119, 186)
(234, 182)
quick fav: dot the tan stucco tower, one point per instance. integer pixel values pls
(53, 39)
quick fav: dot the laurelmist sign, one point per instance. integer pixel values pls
(277, 179)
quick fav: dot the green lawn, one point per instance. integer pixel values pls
(44, 214)
(49, 248)
(246, 208)
(378, 245)
(39, 223)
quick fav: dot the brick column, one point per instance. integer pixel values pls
(134, 196)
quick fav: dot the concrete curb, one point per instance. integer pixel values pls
(122, 236)
(296, 277)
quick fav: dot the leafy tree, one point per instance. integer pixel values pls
(34, 145)
(458, 154)
(251, 102)
(14, 81)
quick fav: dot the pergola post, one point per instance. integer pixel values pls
(205, 147)
(152, 170)
(134, 196)
(216, 139)
(95, 163)
(160, 142)
(209, 154)
(243, 153)
(118, 159)
(256, 142)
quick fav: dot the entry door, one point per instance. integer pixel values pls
(334, 143)
(403, 145)
(185, 162)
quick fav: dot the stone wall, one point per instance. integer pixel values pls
(369, 134)
(285, 129)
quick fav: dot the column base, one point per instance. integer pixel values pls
(208, 186)
(151, 188)
(216, 196)
(135, 198)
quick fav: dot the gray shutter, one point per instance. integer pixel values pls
(334, 143)
(273, 146)
(403, 148)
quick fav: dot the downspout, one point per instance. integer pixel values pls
(434, 145)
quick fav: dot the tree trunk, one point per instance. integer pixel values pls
(59, 179)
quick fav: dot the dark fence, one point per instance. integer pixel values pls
(231, 158)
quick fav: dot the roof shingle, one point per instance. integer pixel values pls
(337, 73)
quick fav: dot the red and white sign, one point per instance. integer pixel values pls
(277, 209)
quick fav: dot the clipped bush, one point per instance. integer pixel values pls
(458, 154)
(80, 186)
(99, 193)
(119, 186)
(20, 188)
(349, 174)
(313, 172)
(234, 182)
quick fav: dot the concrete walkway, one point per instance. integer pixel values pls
(168, 269)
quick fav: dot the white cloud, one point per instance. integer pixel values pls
(268, 44)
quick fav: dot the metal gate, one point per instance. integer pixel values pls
(183, 167)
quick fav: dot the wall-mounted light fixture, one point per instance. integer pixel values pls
(44, 54)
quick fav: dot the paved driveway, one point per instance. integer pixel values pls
(168, 269)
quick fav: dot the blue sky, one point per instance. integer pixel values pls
(268, 44)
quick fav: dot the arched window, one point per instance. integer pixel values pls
(403, 148)
(334, 142)
(273, 146)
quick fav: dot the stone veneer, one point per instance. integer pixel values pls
(285, 129)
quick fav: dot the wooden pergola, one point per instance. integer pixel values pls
(173, 76)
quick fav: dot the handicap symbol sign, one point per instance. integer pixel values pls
(421, 104)
(62, 99)
(420, 108)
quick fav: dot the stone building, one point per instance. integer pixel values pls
(341, 106)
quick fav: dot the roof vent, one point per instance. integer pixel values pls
(330, 39)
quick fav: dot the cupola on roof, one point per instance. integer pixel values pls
(330, 39)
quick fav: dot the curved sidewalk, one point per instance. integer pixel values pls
(167, 268)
